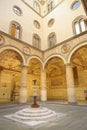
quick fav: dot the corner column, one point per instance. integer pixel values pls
(70, 84)
(23, 86)
(43, 86)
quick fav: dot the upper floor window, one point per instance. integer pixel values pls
(17, 10)
(79, 25)
(36, 41)
(36, 24)
(36, 7)
(15, 30)
(52, 39)
(75, 5)
(50, 6)
(51, 22)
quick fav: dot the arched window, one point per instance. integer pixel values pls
(52, 39)
(36, 41)
(36, 7)
(36, 24)
(17, 10)
(15, 30)
(50, 6)
(79, 25)
(75, 5)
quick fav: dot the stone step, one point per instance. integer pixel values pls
(46, 117)
(34, 114)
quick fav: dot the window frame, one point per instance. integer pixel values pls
(16, 11)
(36, 38)
(37, 6)
(74, 4)
(52, 38)
(17, 25)
(78, 20)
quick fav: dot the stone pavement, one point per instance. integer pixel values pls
(75, 119)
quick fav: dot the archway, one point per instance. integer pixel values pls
(34, 73)
(79, 61)
(56, 79)
(10, 70)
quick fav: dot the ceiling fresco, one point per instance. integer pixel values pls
(79, 58)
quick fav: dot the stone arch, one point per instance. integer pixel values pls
(55, 78)
(78, 59)
(36, 57)
(34, 65)
(74, 49)
(16, 50)
(11, 61)
(52, 56)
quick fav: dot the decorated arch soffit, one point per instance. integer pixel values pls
(34, 66)
(79, 58)
(55, 67)
(52, 56)
(10, 59)
(75, 49)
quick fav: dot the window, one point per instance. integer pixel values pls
(51, 22)
(36, 41)
(50, 6)
(17, 10)
(15, 30)
(79, 25)
(37, 7)
(77, 28)
(36, 24)
(52, 39)
(83, 26)
(75, 5)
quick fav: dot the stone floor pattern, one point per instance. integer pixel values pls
(75, 117)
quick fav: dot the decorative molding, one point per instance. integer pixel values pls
(65, 48)
(26, 50)
(1, 40)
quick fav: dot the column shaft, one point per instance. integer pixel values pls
(70, 84)
(43, 86)
(23, 85)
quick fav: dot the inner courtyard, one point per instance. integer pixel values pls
(43, 41)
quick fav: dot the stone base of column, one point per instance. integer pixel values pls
(72, 103)
(43, 95)
(71, 95)
(23, 95)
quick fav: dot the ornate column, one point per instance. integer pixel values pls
(70, 84)
(23, 85)
(43, 86)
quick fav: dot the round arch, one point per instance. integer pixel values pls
(52, 56)
(74, 49)
(36, 57)
(14, 49)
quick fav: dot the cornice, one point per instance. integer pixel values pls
(58, 44)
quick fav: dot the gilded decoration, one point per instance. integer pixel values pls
(65, 48)
(56, 83)
(1, 40)
(26, 50)
(79, 58)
